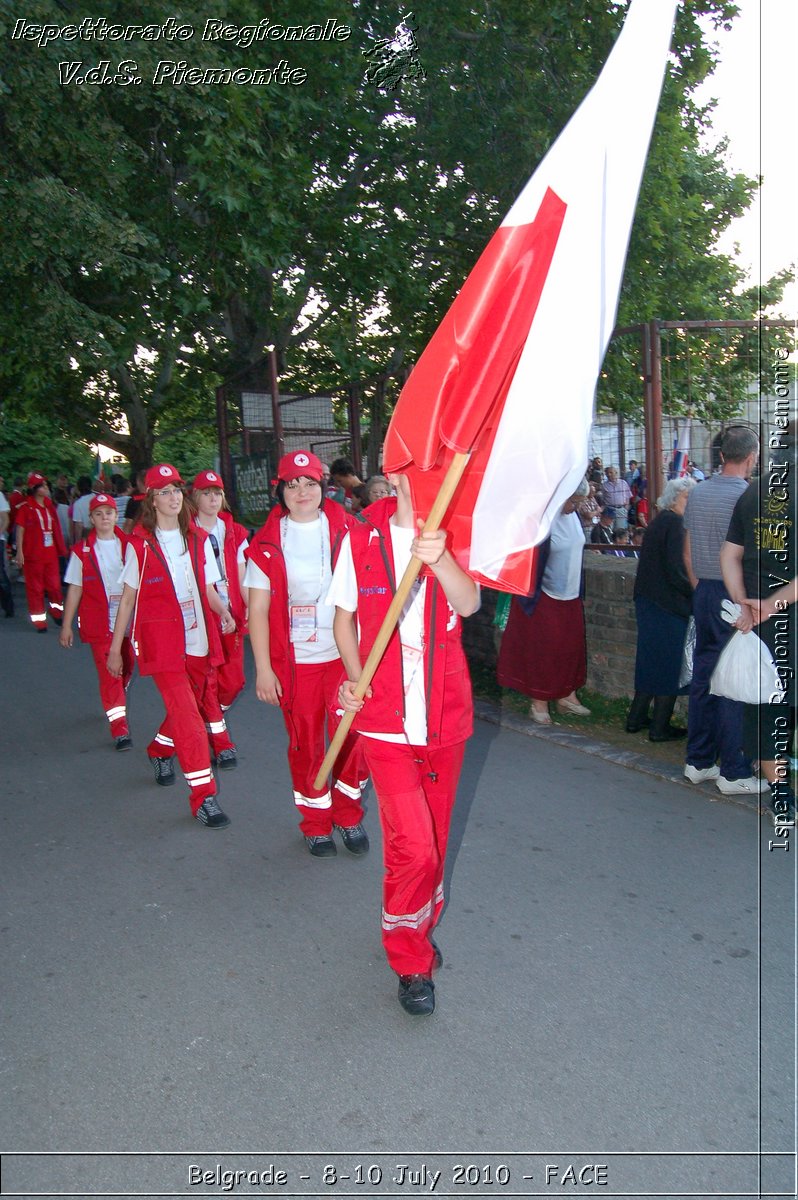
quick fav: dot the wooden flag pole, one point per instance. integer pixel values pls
(431, 525)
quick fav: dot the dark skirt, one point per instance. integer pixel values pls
(545, 655)
(660, 644)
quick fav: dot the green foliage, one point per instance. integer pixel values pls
(32, 444)
(159, 238)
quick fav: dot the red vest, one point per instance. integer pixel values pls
(446, 679)
(93, 611)
(32, 516)
(158, 633)
(234, 535)
(266, 552)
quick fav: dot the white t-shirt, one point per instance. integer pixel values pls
(343, 593)
(306, 550)
(4, 508)
(109, 560)
(178, 561)
(562, 575)
(218, 532)
(80, 510)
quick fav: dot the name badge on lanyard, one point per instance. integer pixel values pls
(48, 539)
(302, 618)
(189, 614)
(113, 609)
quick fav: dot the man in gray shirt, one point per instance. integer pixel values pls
(715, 724)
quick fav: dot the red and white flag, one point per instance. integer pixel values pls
(510, 373)
(681, 451)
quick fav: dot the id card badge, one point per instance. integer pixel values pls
(48, 539)
(113, 609)
(189, 614)
(303, 623)
(411, 661)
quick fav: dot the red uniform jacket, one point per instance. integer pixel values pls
(38, 519)
(93, 612)
(158, 633)
(235, 534)
(266, 552)
(446, 679)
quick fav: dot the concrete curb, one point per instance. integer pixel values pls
(494, 714)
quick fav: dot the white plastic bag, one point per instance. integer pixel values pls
(745, 670)
(686, 670)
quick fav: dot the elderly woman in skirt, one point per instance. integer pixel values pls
(544, 652)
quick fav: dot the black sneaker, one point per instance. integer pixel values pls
(164, 771)
(321, 846)
(211, 815)
(124, 742)
(355, 838)
(417, 995)
(225, 760)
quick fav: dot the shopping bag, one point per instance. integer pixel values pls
(686, 671)
(745, 670)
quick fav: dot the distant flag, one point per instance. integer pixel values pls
(681, 452)
(98, 472)
(510, 373)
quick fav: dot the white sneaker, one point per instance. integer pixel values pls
(742, 787)
(700, 774)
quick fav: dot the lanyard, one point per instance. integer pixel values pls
(48, 527)
(284, 527)
(172, 569)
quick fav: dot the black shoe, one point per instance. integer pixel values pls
(59, 621)
(355, 838)
(670, 734)
(211, 815)
(124, 742)
(41, 628)
(226, 760)
(164, 771)
(635, 728)
(321, 846)
(417, 995)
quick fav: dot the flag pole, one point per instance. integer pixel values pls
(431, 525)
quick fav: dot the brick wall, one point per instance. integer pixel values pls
(609, 619)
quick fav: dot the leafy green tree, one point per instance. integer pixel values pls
(33, 444)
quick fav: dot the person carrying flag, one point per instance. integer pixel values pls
(414, 720)
(39, 545)
(168, 580)
(93, 575)
(228, 541)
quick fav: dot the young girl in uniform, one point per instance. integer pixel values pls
(168, 582)
(93, 575)
(288, 573)
(229, 540)
(39, 545)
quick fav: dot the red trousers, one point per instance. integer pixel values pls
(416, 788)
(42, 575)
(230, 675)
(183, 730)
(309, 725)
(202, 677)
(112, 689)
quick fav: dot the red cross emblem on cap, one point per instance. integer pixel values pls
(164, 471)
(301, 460)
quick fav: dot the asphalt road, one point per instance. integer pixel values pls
(617, 994)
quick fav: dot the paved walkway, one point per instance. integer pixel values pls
(617, 993)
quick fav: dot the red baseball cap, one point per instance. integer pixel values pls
(101, 500)
(299, 462)
(35, 479)
(208, 479)
(160, 475)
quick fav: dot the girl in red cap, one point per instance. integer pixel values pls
(39, 544)
(168, 582)
(228, 540)
(289, 570)
(94, 578)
